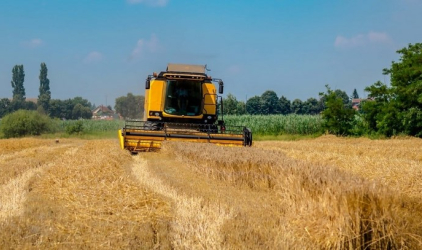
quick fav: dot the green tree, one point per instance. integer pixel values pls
(241, 108)
(373, 109)
(269, 103)
(253, 105)
(311, 106)
(355, 94)
(82, 101)
(19, 104)
(344, 97)
(56, 108)
(230, 105)
(44, 96)
(338, 118)
(130, 106)
(18, 78)
(29, 105)
(406, 76)
(412, 121)
(398, 109)
(297, 107)
(347, 102)
(25, 122)
(80, 111)
(284, 105)
(5, 107)
(65, 109)
(75, 127)
(79, 108)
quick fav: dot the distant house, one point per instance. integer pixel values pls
(356, 103)
(102, 113)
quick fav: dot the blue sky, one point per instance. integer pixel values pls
(101, 50)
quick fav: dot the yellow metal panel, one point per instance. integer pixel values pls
(210, 98)
(155, 96)
(121, 139)
(146, 103)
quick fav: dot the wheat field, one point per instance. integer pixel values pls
(324, 193)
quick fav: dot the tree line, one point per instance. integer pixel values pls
(270, 104)
(63, 109)
(130, 106)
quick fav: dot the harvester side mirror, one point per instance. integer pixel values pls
(147, 83)
(220, 87)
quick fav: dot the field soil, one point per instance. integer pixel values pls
(324, 193)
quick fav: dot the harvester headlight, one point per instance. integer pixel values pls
(209, 117)
(155, 113)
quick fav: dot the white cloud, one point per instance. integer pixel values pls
(380, 37)
(143, 46)
(93, 57)
(362, 39)
(155, 3)
(33, 43)
(349, 42)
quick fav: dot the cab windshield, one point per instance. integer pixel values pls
(183, 97)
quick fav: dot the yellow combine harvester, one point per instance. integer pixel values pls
(181, 104)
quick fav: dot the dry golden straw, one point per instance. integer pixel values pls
(324, 193)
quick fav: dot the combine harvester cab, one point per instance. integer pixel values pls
(181, 104)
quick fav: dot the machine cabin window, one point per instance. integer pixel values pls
(183, 97)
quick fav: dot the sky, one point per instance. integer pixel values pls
(104, 49)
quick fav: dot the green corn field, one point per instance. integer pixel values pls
(277, 124)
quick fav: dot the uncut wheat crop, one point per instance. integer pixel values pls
(324, 193)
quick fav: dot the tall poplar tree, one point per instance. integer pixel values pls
(45, 93)
(18, 77)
